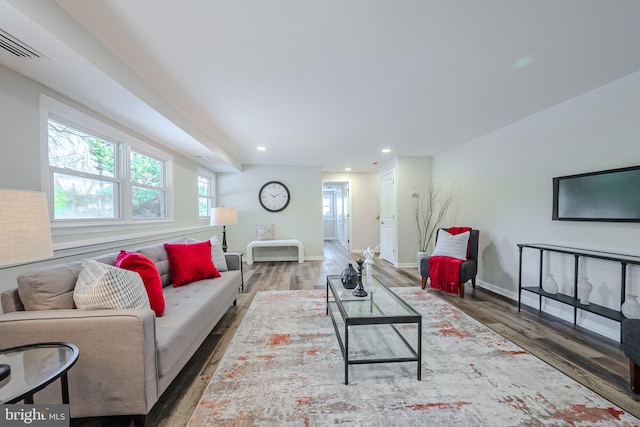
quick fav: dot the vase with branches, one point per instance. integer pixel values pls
(430, 209)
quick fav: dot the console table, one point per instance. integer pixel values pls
(572, 300)
(275, 243)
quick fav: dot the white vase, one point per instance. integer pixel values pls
(550, 285)
(584, 290)
(630, 308)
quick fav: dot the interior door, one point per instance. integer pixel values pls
(387, 217)
(345, 218)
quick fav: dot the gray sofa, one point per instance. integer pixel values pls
(128, 357)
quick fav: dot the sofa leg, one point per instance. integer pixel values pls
(473, 282)
(634, 371)
(424, 282)
(461, 287)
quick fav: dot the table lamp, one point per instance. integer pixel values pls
(224, 217)
(25, 232)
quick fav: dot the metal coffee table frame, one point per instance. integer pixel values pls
(371, 311)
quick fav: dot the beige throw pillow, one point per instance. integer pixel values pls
(265, 232)
(101, 286)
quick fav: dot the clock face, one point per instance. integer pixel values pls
(274, 196)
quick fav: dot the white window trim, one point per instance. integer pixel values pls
(212, 191)
(56, 109)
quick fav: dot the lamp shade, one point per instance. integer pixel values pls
(224, 216)
(25, 232)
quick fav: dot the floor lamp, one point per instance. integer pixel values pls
(224, 217)
(25, 232)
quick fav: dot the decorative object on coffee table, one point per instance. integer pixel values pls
(550, 285)
(359, 291)
(5, 370)
(349, 277)
(368, 262)
(584, 290)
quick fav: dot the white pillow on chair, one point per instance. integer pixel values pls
(452, 245)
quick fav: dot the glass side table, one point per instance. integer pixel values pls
(35, 366)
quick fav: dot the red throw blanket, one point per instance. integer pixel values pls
(445, 271)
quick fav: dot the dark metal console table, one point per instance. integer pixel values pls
(572, 300)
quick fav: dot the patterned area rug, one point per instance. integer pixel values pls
(284, 368)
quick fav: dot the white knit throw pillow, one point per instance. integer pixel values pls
(452, 245)
(101, 286)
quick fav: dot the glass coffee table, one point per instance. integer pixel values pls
(378, 328)
(35, 366)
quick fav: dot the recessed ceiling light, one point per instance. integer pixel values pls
(347, 169)
(261, 148)
(386, 150)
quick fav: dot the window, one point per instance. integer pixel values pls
(206, 185)
(96, 172)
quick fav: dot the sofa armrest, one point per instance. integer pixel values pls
(234, 260)
(116, 371)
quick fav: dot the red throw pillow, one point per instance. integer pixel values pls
(148, 271)
(190, 262)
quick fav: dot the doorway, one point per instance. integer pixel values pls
(387, 217)
(336, 212)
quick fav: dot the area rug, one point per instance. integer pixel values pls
(284, 368)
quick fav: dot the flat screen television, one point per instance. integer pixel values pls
(609, 195)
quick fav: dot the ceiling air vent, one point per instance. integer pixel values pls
(16, 47)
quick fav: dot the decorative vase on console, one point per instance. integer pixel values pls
(630, 308)
(349, 277)
(584, 290)
(550, 285)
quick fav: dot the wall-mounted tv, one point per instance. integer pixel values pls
(609, 195)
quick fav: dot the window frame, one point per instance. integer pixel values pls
(125, 143)
(211, 177)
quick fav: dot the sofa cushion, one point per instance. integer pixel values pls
(101, 286)
(158, 254)
(190, 315)
(51, 287)
(148, 271)
(190, 262)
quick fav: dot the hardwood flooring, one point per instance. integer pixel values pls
(590, 359)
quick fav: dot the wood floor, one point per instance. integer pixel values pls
(590, 359)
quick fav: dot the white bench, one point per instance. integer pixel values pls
(275, 243)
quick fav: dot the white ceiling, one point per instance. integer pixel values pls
(322, 82)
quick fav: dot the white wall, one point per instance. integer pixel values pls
(365, 207)
(301, 220)
(503, 188)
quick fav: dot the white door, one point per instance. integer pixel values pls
(345, 217)
(387, 217)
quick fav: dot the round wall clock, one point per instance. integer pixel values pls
(274, 196)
